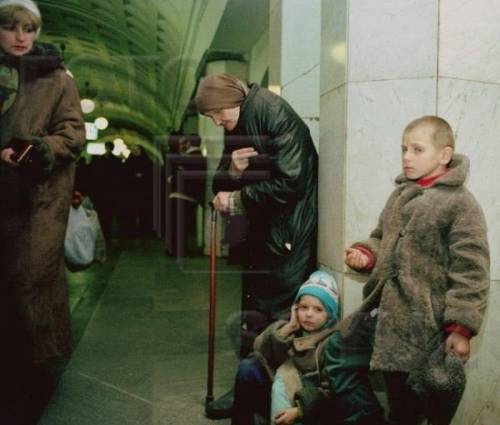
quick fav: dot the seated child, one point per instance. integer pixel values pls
(286, 357)
(427, 292)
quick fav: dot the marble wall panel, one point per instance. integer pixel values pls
(480, 401)
(333, 44)
(377, 115)
(473, 111)
(313, 124)
(301, 34)
(392, 39)
(352, 295)
(332, 178)
(275, 40)
(303, 93)
(259, 59)
(468, 40)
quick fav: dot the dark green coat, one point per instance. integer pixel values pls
(34, 208)
(279, 193)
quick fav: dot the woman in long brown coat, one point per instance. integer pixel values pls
(39, 107)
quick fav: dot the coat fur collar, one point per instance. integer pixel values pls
(456, 175)
(310, 341)
(43, 59)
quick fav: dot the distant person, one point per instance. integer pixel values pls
(188, 192)
(39, 107)
(269, 173)
(83, 177)
(426, 294)
(107, 185)
(193, 166)
(138, 199)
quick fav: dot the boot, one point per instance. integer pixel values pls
(222, 407)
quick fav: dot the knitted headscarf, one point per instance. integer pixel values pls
(322, 286)
(27, 4)
(219, 91)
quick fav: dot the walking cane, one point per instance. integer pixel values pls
(211, 314)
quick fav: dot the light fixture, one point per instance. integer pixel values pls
(120, 148)
(90, 131)
(101, 123)
(95, 148)
(119, 145)
(88, 105)
(339, 52)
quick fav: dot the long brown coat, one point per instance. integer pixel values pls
(274, 349)
(33, 213)
(432, 267)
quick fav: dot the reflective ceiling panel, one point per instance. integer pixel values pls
(138, 57)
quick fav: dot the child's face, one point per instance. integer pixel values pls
(311, 313)
(420, 157)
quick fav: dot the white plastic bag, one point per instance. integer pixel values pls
(80, 239)
(100, 243)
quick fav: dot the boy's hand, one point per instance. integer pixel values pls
(287, 417)
(356, 259)
(7, 155)
(458, 344)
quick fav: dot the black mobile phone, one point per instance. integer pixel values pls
(23, 155)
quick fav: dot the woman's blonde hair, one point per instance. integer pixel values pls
(14, 14)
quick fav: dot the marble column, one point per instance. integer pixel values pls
(294, 56)
(383, 64)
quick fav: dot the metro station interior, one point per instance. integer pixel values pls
(354, 71)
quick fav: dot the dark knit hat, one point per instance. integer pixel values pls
(439, 382)
(219, 91)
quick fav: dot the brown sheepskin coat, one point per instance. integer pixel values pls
(274, 349)
(295, 357)
(34, 213)
(432, 267)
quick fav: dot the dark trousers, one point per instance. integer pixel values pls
(25, 386)
(252, 392)
(26, 390)
(347, 363)
(253, 323)
(403, 403)
(353, 401)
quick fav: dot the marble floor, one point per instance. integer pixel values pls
(140, 329)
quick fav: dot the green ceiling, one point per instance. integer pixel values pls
(140, 56)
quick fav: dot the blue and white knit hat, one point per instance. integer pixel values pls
(323, 286)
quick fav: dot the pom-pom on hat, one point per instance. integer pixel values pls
(323, 286)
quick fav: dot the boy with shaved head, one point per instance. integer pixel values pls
(426, 294)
